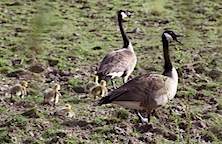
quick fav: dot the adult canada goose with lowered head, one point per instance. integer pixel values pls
(150, 91)
(119, 63)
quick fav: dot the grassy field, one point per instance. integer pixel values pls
(68, 38)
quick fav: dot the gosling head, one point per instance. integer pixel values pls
(122, 14)
(68, 106)
(103, 83)
(171, 36)
(24, 83)
(57, 87)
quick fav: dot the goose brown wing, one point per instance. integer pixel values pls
(117, 61)
(144, 89)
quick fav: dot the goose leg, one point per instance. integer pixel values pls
(148, 117)
(113, 83)
(154, 113)
(142, 119)
(22, 93)
(125, 79)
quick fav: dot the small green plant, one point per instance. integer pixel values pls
(99, 121)
(18, 121)
(72, 140)
(74, 82)
(104, 130)
(189, 124)
(122, 114)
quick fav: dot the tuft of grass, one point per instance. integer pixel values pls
(99, 121)
(5, 138)
(18, 121)
(72, 140)
(189, 123)
(122, 114)
(78, 34)
(74, 82)
(32, 113)
(105, 130)
(3, 109)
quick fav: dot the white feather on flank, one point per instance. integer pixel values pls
(123, 15)
(115, 74)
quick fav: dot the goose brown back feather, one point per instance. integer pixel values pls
(117, 61)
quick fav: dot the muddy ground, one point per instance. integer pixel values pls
(64, 40)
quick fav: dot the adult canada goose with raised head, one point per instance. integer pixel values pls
(150, 91)
(119, 63)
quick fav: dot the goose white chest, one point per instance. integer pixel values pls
(172, 83)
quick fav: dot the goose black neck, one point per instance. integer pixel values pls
(123, 33)
(167, 65)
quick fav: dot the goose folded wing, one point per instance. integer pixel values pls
(117, 61)
(144, 89)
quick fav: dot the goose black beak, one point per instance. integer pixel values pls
(178, 35)
(129, 13)
(179, 42)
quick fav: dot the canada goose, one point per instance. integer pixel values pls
(99, 90)
(64, 111)
(19, 89)
(150, 91)
(51, 95)
(119, 63)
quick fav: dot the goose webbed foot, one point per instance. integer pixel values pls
(142, 119)
(113, 84)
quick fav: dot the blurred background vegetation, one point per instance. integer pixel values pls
(68, 38)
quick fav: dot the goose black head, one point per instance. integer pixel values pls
(124, 14)
(171, 35)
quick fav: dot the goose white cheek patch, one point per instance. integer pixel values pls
(123, 15)
(168, 36)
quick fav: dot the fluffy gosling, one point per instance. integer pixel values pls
(99, 90)
(19, 89)
(64, 111)
(92, 83)
(51, 95)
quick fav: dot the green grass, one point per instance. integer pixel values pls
(70, 31)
